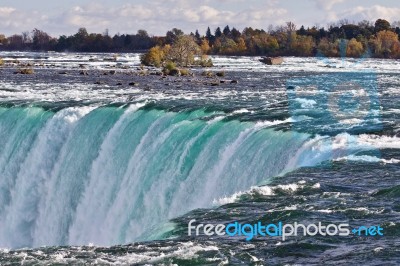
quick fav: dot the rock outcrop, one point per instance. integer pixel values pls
(272, 60)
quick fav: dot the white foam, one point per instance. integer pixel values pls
(262, 124)
(241, 111)
(261, 190)
(380, 142)
(367, 158)
(306, 103)
(187, 250)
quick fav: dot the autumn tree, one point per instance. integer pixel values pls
(154, 57)
(327, 48)
(386, 43)
(354, 48)
(302, 45)
(3, 39)
(241, 45)
(262, 43)
(184, 50)
(205, 46)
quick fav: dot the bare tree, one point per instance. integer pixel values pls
(184, 50)
(396, 24)
(343, 22)
(290, 27)
(26, 37)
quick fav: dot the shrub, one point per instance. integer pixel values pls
(205, 63)
(185, 72)
(154, 57)
(169, 67)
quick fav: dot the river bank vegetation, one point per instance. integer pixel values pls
(379, 39)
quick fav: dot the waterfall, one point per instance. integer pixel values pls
(111, 175)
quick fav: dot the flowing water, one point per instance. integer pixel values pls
(112, 175)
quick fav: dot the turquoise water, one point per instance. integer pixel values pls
(86, 171)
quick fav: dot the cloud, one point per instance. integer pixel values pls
(158, 18)
(327, 4)
(370, 13)
(16, 21)
(6, 11)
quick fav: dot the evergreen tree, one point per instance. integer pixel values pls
(227, 31)
(209, 36)
(302, 31)
(197, 35)
(235, 34)
(218, 32)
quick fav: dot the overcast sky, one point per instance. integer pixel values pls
(158, 16)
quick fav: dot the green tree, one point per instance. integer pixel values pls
(218, 32)
(228, 46)
(381, 25)
(197, 36)
(302, 45)
(173, 35)
(227, 31)
(235, 34)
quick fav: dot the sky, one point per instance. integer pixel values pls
(159, 16)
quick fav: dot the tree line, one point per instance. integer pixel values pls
(379, 39)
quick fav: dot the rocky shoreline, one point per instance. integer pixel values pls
(147, 78)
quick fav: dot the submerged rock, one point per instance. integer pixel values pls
(25, 71)
(207, 74)
(174, 72)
